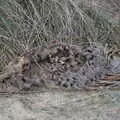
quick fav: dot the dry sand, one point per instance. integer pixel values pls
(61, 105)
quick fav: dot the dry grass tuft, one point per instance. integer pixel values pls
(25, 24)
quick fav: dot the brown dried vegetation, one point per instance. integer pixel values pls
(60, 65)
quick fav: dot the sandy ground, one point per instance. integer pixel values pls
(61, 105)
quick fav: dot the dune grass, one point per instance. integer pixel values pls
(25, 24)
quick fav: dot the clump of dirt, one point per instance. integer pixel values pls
(59, 65)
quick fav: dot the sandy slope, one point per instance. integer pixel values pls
(61, 105)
